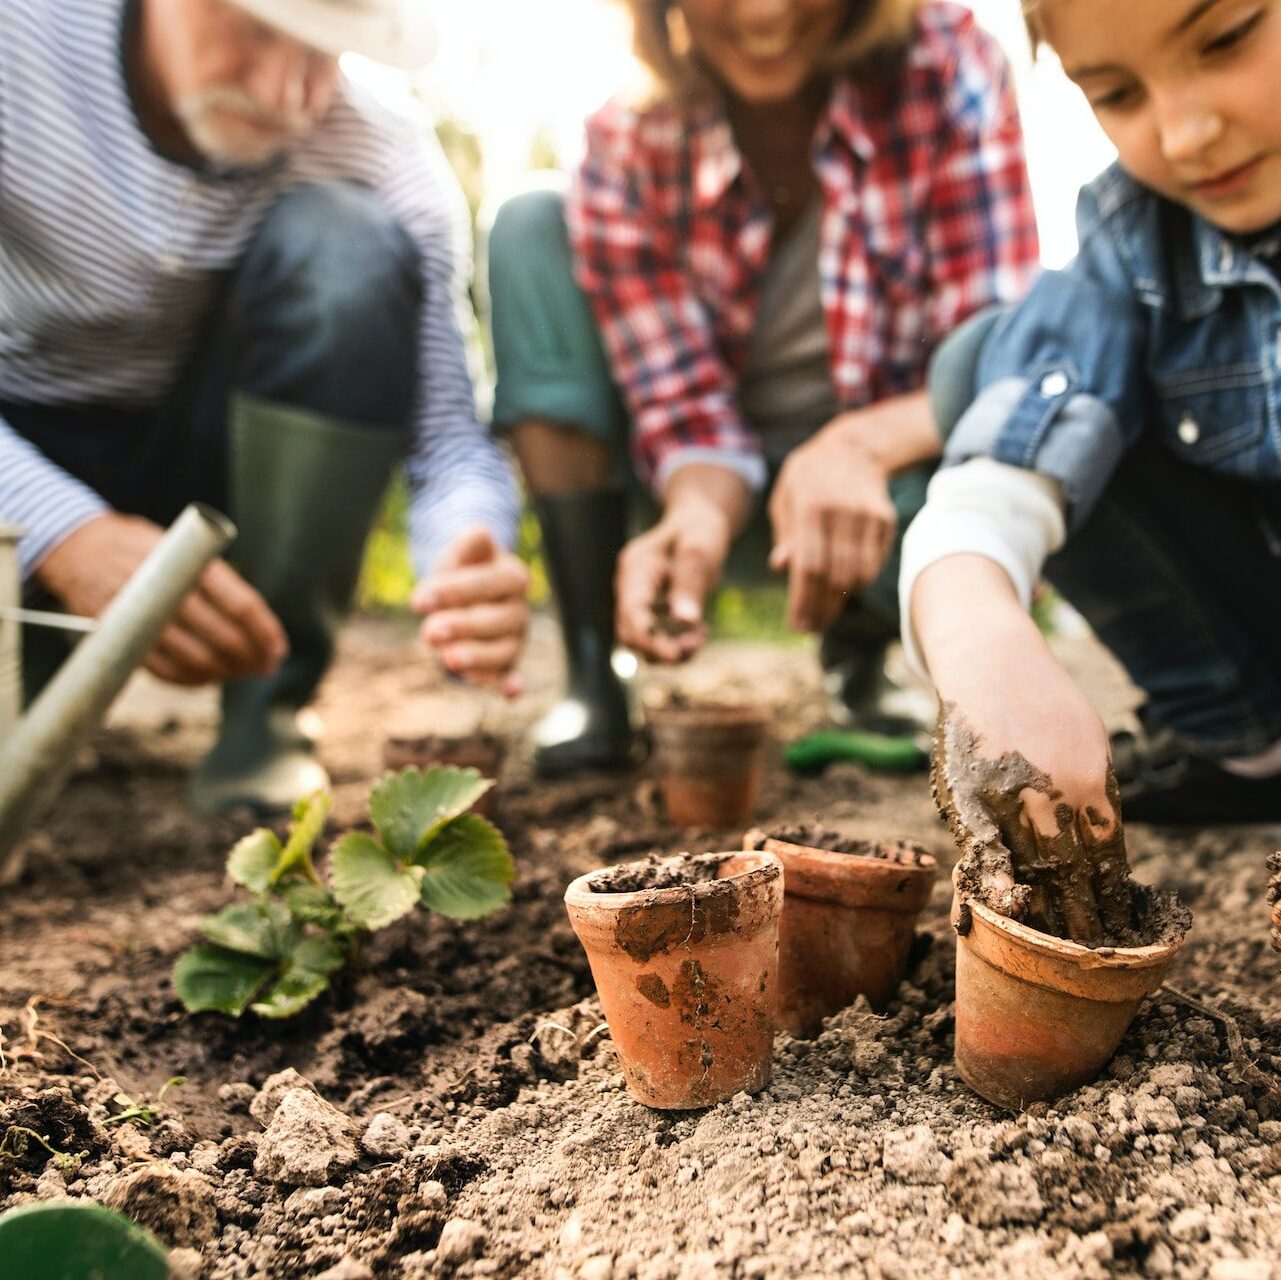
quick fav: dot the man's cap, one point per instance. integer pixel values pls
(396, 33)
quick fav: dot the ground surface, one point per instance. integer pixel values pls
(507, 1145)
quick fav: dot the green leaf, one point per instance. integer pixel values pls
(252, 862)
(312, 903)
(408, 808)
(215, 978)
(305, 977)
(372, 886)
(259, 928)
(468, 869)
(310, 815)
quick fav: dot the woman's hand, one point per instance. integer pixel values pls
(1022, 769)
(224, 630)
(666, 574)
(833, 523)
(475, 612)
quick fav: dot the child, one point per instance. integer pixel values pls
(1125, 432)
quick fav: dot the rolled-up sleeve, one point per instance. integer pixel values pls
(1061, 379)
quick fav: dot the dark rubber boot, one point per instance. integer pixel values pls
(862, 695)
(592, 726)
(305, 490)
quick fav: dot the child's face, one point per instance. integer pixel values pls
(1189, 91)
(763, 50)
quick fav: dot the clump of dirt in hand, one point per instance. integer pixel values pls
(665, 623)
(1274, 898)
(659, 873)
(814, 836)
(1070, 883)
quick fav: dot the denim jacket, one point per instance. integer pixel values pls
(1161, 323)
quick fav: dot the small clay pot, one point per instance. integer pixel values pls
(483, 752)
(710, 760)
(1038, 1016)
(685, 958)
(847, 926)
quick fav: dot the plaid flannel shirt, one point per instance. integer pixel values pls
(927, 217)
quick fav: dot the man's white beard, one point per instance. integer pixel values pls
(211, 121)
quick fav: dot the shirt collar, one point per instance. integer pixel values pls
(717, 162)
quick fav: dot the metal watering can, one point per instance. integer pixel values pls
(37, 748)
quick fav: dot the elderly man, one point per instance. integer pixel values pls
(225, 276)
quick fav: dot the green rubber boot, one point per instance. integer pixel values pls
(304, 492)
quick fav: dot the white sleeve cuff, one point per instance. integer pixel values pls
(749, 466)
(1011, 516)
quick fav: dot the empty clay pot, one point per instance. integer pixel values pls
(1038, 1016)
(710, 760)
(847, 925)
(483, 752)
(684, 952)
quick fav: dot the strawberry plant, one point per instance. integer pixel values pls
(275, 952)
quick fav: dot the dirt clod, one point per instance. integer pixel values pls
(179, 1208)
(308, 1142)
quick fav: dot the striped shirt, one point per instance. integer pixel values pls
(926, 218)
(110, 254)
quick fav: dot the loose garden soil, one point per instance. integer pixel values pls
(456, 1108)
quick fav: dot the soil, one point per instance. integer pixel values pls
(811, 835)
(456, 1107)
(659, 873)
(1058, 884)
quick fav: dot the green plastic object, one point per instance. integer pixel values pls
(812, 754)
(76, 1241)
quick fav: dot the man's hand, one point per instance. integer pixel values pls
(833, 523)
(1021, 765)
(223, 631)
(474, 611)
(666, 574)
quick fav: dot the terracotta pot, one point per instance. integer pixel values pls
(847, 927)
(1038, 1016)
(710, 761)
(483, 752)
(687, 971)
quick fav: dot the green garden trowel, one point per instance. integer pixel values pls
(72, 1240)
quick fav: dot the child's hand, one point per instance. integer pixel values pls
(1029, 853)
(1021, 764)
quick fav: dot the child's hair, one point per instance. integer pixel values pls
(873, 33)
(1031, 8)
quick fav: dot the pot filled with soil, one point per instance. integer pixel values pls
(684, 953)
(483, 752)
(1038, 1016)
(709, 760)
(849, 915)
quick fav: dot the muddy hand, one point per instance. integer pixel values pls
(1028, 853)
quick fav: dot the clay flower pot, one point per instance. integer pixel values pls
(684, 952)
(483, 752)
(710, 760)
(849, 914)
(1038, 1016)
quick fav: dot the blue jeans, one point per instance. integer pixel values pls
(320, 314)
(1177, 570)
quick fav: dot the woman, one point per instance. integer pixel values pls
(746, 281)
